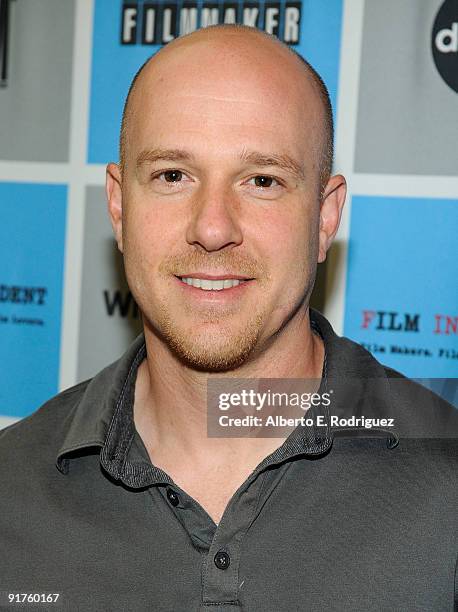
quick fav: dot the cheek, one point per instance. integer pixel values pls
(290, 240)
(292, 248)
(149, 234)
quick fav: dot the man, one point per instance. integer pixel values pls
(223, 204)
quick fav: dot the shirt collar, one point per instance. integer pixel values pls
(103, 417)
(91, 418)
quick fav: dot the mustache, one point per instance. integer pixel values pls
(233, 263)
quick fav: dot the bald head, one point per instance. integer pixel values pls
(226, 150)
(242, 43)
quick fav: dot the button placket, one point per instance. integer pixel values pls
(220, 580)
(221, 571)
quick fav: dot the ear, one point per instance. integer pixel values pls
(114, 198)
(330, 213)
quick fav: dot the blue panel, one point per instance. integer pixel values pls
(32, 236)
(320, 41)
(402, 252)
(114, 65)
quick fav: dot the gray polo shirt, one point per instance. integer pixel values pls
(344, 521)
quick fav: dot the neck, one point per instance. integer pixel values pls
(170, 410)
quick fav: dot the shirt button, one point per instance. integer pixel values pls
(222, 560)
(173, 497)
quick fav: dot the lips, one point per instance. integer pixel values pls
(209, 282)
(212, 285)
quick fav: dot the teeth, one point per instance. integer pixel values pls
(211, 285)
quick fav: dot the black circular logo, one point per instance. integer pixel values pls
(444, 42)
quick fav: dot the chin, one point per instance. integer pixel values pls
(211, 361)
(221, 349)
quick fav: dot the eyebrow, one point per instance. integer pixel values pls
(256, 158)
(283, 161)
(152, 155)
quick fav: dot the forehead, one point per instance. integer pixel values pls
(207, 92)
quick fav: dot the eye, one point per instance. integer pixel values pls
(262, 180)
(170, 181)
(171, 176)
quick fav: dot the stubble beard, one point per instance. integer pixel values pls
(226, 346)
(210, 338)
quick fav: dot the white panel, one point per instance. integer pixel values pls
(82, 54)
(347, 108)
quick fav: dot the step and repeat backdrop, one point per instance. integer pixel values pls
(390, 282)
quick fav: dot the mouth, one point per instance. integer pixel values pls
(207, 282)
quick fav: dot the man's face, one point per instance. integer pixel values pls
(221, 188)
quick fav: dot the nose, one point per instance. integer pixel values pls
(214, 222)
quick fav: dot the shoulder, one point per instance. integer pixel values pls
(418, 412)
(355, 360)
(406, 390)
(75, 418)
(424, 414)
(48, 422)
